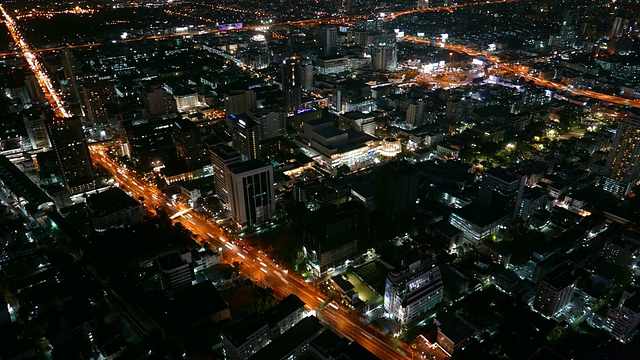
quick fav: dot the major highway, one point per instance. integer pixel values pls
(38, 70)
(537, 80)
(255, 265)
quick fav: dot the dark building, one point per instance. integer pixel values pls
(396, 187)
(501, 191)
(72, 154)
(291, 84)
(332, 233)
(149, 144)
(186, 137)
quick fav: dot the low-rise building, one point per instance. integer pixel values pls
(113, 208)
(285, 315)
(293, 342)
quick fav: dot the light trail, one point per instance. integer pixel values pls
(38, 70)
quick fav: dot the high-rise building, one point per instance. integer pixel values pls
(622, 168)
(245, 133)
(501, 191)
(328, 39)
(239, 101)
(221, 157)
(72, 154)
(413, 289)
(157, 101)
(396, 187)
(251, 192)
(35, 124)
(555, 290)
(96, 97)
(384, 56)
(332, 234)
(291, 84)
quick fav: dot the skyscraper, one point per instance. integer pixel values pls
(291, 84)
(623, 164)
(72, 154)
(251, 192)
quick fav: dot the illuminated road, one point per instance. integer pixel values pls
(255, 265)
(306, 22)
(538, 81)
(38, 70)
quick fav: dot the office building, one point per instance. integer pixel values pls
(221, 157)
(157, 101)
(245, 337)
(623, 164)
(113, 208)
(251, 192)
(97, 95)
(332, 234)
(555, 290)
(35, 123)
(291, 84)
(501, 191)
(72, 154)
(328, 40)
(245, 134)
(413, 289)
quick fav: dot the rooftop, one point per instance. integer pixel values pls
(304, 331)
(110, 201)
